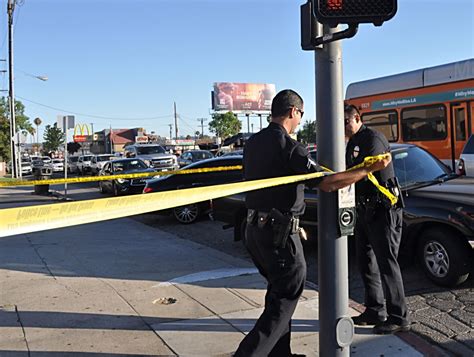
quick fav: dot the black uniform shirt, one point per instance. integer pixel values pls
(273, 153)
(368, 142)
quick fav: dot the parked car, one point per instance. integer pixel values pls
(188, 157)
(153, 155)
(38, 164)
(72, 164)
(233, 153)
(466, 161)
(190, 213)
(124, 185)
(438, 220)
(98, 162)
(26, 168)
(57, 165)
(84, 164)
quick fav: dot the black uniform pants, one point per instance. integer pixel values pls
(285, 272)
(378, 234)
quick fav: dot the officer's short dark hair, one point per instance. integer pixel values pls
(284, 101)
(351, 110)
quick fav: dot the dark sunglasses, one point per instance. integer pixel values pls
(301, 112)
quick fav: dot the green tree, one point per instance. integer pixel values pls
(53, 138)
(22, 124)
(307, 135)
(225, 125)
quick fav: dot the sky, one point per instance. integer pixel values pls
(123, 63)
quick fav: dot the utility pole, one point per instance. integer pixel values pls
(92, 128)
(171, 131)
(175, 122)
(260, 118)
(202, 120)
(13, 147)
(111, 142)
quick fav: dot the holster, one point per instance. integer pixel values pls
(281, 225)
(394, 186)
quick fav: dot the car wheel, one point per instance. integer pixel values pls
(444, 257)
(243, 230)
(187, 214)
(115, 189)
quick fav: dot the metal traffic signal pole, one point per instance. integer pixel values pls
(336, 328)
(336, 211)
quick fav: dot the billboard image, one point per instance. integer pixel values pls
(242, 97)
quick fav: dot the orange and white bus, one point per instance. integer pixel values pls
(431, 107)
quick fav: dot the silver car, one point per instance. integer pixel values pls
(466, 161)
(98, 162)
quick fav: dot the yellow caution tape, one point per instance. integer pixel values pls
(369, 160)
(115, 177)
(21, 220)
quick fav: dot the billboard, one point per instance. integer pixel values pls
(242, 97)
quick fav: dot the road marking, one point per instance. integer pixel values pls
(208, 275)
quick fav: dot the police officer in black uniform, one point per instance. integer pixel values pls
(378, 232)
(273, 235)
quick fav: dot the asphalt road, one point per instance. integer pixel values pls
(440, 315)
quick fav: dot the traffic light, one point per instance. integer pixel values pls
(334, 12)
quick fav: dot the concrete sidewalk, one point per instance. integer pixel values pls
(120, 288)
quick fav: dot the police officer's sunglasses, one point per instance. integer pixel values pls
(299, 110)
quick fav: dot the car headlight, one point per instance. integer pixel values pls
(121, 180)
(148, 162)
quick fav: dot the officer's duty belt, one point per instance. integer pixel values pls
(263, 215)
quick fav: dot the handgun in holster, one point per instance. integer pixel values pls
(281, 225)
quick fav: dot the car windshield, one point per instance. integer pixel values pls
(146, 150)
(128, 165)
(57, 161)
(73, 158)
(87, 158)
(414, 166)
(104, 158)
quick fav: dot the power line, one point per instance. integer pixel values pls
(92, 115)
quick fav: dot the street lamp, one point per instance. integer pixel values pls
(15, 158)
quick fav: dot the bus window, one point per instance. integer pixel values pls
(385, 122)
(460, 123)
(424, 123)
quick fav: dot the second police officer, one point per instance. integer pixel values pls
(378, 232)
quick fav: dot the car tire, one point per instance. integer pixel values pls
(243, 230)
(187, 214)
(444, 257)
(101, 188)
(115, 189)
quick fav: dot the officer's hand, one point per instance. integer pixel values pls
(380, 165)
